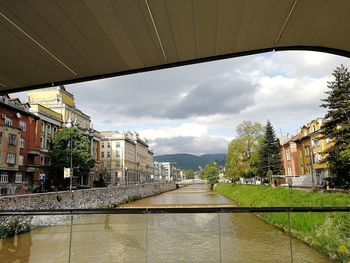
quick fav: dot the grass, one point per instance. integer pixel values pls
(327, 232)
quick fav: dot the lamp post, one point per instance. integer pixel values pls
(71, 163)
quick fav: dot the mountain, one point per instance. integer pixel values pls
(189, 161)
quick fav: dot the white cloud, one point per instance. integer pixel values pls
(196, 108)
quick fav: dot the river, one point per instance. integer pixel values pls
(160, 237)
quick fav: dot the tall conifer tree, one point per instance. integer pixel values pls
(270, 152)
(337, 125)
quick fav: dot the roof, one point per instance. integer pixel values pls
(62, 42)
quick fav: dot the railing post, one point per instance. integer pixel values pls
(219, 226)
(70, 238)
(290, 238)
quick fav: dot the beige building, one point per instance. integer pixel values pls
(126, 158)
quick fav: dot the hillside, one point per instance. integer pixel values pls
(190, 161)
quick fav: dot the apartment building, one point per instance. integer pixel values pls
(126, 158)
(310, 148)
(289, 154)
(50, 122)
(19, 147)
(171, 172)
(160, 172)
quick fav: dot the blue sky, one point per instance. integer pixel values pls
(195, 109)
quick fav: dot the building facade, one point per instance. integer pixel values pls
(172, 173)
(126, 158)
(60, 101)
(19, 147)
(289, 153)
(310, 147)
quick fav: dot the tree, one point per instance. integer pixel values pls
(189, 174)
(270, 155)
(61, 153)
(211, 173)
(243, 152)
(337, 124)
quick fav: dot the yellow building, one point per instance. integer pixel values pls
(60, 104)
(61, 101)
(310, 146)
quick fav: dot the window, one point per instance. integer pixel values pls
(315, 142)
(288, 155)
(102, 155)
(102, 145)
(108, 154)
(307, 151)
(23, 143)
(12, 139)
(48, 129)
(8, 121)
(41, 142)
(22, 126)
(11, 158)
(42, 127)
(18, 178)
(4, 177)
(108, 145)
(21, 160)
(48, 144)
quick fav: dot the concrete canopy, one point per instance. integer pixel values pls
(48, 42)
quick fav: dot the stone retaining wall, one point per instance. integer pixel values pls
(88, 198)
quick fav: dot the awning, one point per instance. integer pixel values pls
(46, 42)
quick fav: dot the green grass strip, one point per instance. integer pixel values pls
(327, 232)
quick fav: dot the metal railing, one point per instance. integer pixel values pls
(148, 227)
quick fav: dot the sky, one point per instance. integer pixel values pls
(196, 109)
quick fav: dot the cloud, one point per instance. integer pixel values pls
(222, 95)
(189, 144)
(196, 108)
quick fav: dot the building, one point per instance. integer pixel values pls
(310, 147)
(160, 172)
(60, 101)
(19, 147)
(289, 153)
(126, 158)
(172, 173)
(50, 122)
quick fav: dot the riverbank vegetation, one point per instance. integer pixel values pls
(328, 232)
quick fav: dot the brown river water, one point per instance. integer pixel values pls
(160, 237)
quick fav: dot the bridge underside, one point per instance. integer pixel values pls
(45, 43)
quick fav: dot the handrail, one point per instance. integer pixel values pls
(172, 210)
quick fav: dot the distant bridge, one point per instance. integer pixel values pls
(192, 181)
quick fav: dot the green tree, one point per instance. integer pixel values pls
(270, 153)
(61, 153)
(243, 152)
(211, 173)
(189, 174)
(337, 126)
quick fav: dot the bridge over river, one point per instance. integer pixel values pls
(160, 237)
